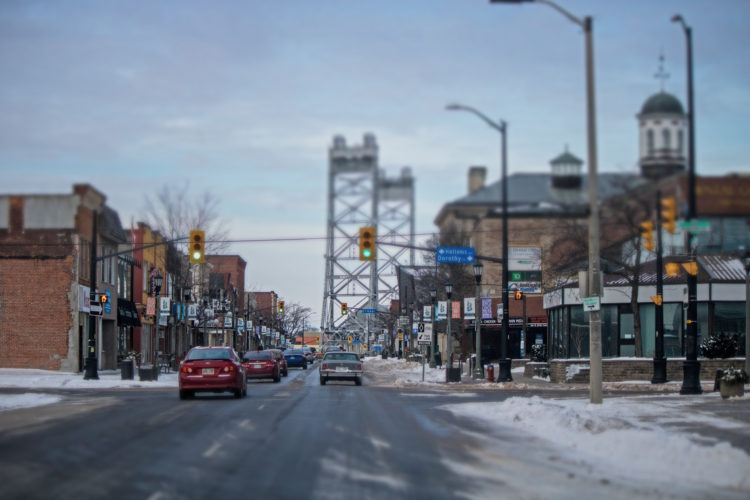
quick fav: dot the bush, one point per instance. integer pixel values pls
(538, 352)
(719, 346)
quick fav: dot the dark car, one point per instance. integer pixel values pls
(212, 369)
(278, 355)
(296, 357)
(261, 364)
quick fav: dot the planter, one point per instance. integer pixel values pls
(148, 373)
(453, 374)
(731, 389)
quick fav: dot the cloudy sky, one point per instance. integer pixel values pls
(243, 98)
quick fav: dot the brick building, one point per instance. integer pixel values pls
(45, 261)
(226, 288)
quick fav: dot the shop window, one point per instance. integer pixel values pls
(647, 313)
(610, 331)
(579, 333)
(673, 330)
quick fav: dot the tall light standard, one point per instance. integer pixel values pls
(157, 282)
(747, 311)
(691, 367)
(595, 318)
(503, 372)
(478, 368)
(449, 338)
(433, 297)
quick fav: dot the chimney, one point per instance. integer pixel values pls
(477, 176)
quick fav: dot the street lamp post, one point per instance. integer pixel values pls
(90, 368)
(503, 374)
(595, 319)
(449, 338)
(747, 311)
(478, 368)
(691, 367)
(158, 280)
(433, 360)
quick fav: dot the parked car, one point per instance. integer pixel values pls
(278, 355)
(295, 357)
(339, 365)
(309, 354)
(212, 369)
(261, 364)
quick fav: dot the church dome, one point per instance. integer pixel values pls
(662, 103)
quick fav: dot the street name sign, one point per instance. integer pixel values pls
(696, 226)
(369, 311)
(455, 255)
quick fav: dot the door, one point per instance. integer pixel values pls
(626, 344)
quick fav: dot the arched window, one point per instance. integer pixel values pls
(666, 139)
(650, 141)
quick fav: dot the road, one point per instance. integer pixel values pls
(294, 439)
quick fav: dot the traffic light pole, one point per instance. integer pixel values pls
(660, 362)
(91, 361)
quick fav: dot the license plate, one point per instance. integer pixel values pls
(208, 371)
(342, 369)
(257, 365)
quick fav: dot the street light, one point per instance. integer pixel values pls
(157, 282)
(449, 339)
(691, 367)
(503, 372)
(595, 318)
(433, 296)
(747, 311)
(478, 368)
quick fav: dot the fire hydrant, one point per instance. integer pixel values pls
(490, 373)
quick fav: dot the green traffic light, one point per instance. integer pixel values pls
(366, 253)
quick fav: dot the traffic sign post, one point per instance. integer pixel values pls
(95, 309)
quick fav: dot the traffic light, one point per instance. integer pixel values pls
(519, 295)
(344, 309)
(197, 247)
(668, 213)
(647, 235)
(367, 243)
(673, 269)
(103, 298)
(281, 307)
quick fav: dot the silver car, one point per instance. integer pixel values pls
(340, 365)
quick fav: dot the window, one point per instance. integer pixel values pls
(680, 141)
(650, 141)
(666, 138)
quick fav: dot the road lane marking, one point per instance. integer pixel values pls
(261, 407)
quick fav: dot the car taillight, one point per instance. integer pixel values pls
(325, 366)
(228, 368)
(271, 363)
(359, 367)
(187, 369)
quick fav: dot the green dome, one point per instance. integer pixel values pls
(566, 159)
(662, 103)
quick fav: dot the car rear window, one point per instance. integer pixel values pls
(342, 356)
(208, 354)
(252, 356)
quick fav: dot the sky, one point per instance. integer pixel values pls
(243, 99)
(654, 441)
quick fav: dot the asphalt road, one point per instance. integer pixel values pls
(294, 439)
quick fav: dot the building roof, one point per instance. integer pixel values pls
(662, 103)
(533, 193)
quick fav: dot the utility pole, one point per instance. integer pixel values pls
(91, 361)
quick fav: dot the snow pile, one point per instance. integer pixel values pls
(399, 372)
(109, 379)
(27, 400)
(573, 370)
(627, 435)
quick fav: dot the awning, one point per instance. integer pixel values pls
(127, 315)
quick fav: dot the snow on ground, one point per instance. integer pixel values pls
(630, 435)
(108, 379)
(27, 400)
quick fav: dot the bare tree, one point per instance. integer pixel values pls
(173, 212)
(294, 319)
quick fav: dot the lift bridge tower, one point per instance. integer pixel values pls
(360, 195)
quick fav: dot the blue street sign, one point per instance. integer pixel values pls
(455, 255)
(369, 311)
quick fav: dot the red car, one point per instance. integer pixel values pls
(261, 364)
(278, 355)
(212, 369)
